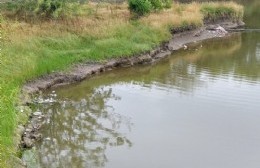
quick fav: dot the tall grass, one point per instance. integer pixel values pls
(180, 15)
(222, 10)
(97, 33)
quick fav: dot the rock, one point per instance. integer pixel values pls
(217, 28)
(48, 139)
(211, 27)
(125, 62)
(40, 117)
(185, 47)
(155, 51)
(144, 59)
(38, 113)
(221, 30)
(28, 130)
(37, 137)
(37, 126)
(198, 33)
(27, 142)
(241, 23)
(162, 55)
(77, 78)
(110, 64)
(20, 129)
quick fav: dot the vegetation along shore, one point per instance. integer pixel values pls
(38, 38)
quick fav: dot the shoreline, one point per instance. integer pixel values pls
(180, 38)
(82, 72)
(29, 133)
(40, 54)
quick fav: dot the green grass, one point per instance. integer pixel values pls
(43, 55)
(30, 51)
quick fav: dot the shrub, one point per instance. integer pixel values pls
(140, 7)
(50, 8)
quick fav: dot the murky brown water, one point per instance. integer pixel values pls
(199, 108)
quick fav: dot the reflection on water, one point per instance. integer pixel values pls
(198, 108)
(78, 132)
(200, 105)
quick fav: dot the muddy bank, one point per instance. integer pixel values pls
(180, 40)
(82, 71)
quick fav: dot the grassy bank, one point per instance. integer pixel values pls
(96, 33)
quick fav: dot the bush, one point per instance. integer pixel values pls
(50, 8)
(140, 7)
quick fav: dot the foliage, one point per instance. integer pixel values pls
(49, 7)
(156, 4)
(142, 7)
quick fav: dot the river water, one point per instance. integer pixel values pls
(199, 108)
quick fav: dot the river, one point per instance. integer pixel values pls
(199, 108)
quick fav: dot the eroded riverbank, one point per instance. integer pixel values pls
(83, 71)
(185, 106)
(179, 41)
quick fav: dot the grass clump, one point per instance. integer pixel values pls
(98, 32)
(214, 11)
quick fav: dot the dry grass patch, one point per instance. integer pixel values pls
(213, 11)
(179, 15)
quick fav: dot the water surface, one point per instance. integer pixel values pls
(199, 108)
